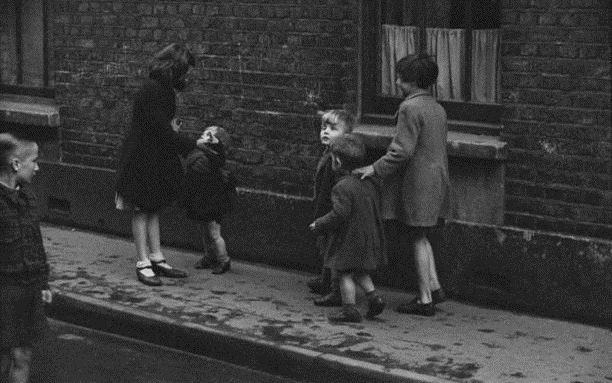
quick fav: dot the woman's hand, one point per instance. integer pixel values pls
(176, 124)
(312, 226)
(202, 144)
(365, 172)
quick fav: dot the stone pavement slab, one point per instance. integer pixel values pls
(272, 308)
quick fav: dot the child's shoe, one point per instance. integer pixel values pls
(438, 296)
(348, 313)
(318, 286)
(333, 299)
(376, 305)
(204, 263)
(417, 308)
(222, 268)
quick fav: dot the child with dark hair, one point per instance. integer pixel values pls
(150, 170)
(208, 195)
(356, 244)
(334, 123)
(415, 174)
(24, 270)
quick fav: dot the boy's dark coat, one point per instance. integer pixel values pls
(354, 226)
(150, 169)
(208, 192)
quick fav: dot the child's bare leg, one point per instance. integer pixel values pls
(347, 289)
(19, 371)
(206, 261)
(139, 232)
(218, 244)
(376, 304)
(365, 282)
(153, 233)
(348, 313)
(423, 255)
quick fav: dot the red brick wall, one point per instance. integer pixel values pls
(556, 91)
(264, 69)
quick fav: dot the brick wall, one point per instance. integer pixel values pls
(264, 69)
(556, 91)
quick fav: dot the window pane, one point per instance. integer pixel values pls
(453, 34)
(32, 43)
(8, 43)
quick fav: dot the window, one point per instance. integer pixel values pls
(463, 36)
(23, 48)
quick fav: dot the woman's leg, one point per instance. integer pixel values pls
(434, 282)
(19, 372)
(160, 266)
(153, 233)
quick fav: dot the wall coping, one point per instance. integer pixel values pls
(458, 144)
(29, 111)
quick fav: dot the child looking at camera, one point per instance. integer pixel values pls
(354, 224)
(208, 195)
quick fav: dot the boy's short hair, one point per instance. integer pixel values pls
(171, 62)
(336, 115)
(350, 149)
(222, 135)
(9, 145)
(420, 69)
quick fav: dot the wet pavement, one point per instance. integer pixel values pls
(272, 308)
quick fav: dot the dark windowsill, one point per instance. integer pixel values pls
(29, 110)
(459, 144)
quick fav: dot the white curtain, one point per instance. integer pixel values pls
(485, 64)
(448, 47)
(397, 42)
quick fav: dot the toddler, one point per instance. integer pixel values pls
(208, 195)
(334, 123)
(356, 244)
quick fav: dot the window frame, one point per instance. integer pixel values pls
(379, 109)
(46, 91)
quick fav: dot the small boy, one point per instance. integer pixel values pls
(356, 243)
(208, 195)
(334, 123)
(23, 262)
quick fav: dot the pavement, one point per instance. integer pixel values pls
(264, 318)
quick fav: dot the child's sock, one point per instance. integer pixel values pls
(159, 257)
(146, 272)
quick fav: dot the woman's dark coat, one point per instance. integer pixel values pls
(150, 169)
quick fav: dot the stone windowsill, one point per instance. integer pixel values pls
(29, 111)
(458, 144)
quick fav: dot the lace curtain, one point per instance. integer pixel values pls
(448, 47)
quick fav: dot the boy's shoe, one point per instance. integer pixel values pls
(222, 268)
(318, 286)
(333, 299)
(376, 305)
(149, 281)
(204, 263)
(166, 271)
(417, 308)
(346, 314)
(438, 296)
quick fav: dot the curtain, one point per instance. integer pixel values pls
(397, 42)
(448, 48)
(486, 66)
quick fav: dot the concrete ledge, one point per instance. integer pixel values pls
(458, 145)
(29, 113)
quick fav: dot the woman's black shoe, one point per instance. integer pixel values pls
(149, 281)
(167, 272)
(222, 268)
